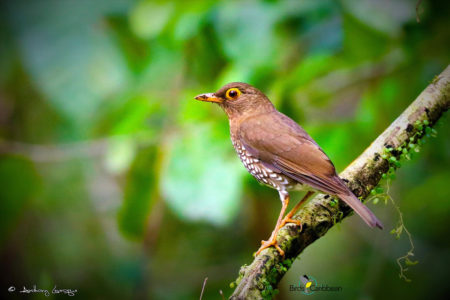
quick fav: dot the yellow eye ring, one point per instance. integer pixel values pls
(232, 93)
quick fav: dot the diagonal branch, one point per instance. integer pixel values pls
(257, 280)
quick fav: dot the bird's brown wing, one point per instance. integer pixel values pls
(284, 145)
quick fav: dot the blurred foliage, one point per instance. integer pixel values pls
(139, 195)
(115, 182)
(19, 182)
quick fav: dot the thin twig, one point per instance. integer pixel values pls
(203, 287)
(403, 228)
(398, 231)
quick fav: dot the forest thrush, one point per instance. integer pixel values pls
(279, 153)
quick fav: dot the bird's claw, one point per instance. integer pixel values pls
(273, 238)
(290, 220)
(267, 244)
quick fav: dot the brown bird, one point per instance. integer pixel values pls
(279, 153)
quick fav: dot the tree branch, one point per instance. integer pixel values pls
(257, 280)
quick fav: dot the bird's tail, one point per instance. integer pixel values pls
(362, 210)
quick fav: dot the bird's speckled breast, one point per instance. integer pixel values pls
(262, 172)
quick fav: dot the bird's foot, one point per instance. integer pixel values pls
(273, 238)
(288, 219)
(271, 242)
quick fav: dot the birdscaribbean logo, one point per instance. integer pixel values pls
(307, 285)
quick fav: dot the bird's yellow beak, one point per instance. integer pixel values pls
(210, 97)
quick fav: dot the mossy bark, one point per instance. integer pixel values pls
(259, 280)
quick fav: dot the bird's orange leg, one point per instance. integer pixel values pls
(282, 221)
(273, 238)
(288, 218)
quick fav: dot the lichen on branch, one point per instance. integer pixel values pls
(259, 280)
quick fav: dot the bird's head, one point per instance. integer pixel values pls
(239, 99)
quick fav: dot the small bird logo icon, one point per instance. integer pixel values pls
(308, 282)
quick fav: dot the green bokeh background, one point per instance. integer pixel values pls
(115, 182)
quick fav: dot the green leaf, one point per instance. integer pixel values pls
(188, 25)
(203, 177)
(240, 35)
(140, 194)
(70, 58)
(120, 154)
(409, 262)
(148, 19)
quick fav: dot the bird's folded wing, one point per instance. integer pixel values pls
(284, 145)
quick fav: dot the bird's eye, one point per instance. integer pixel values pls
(233, 93)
